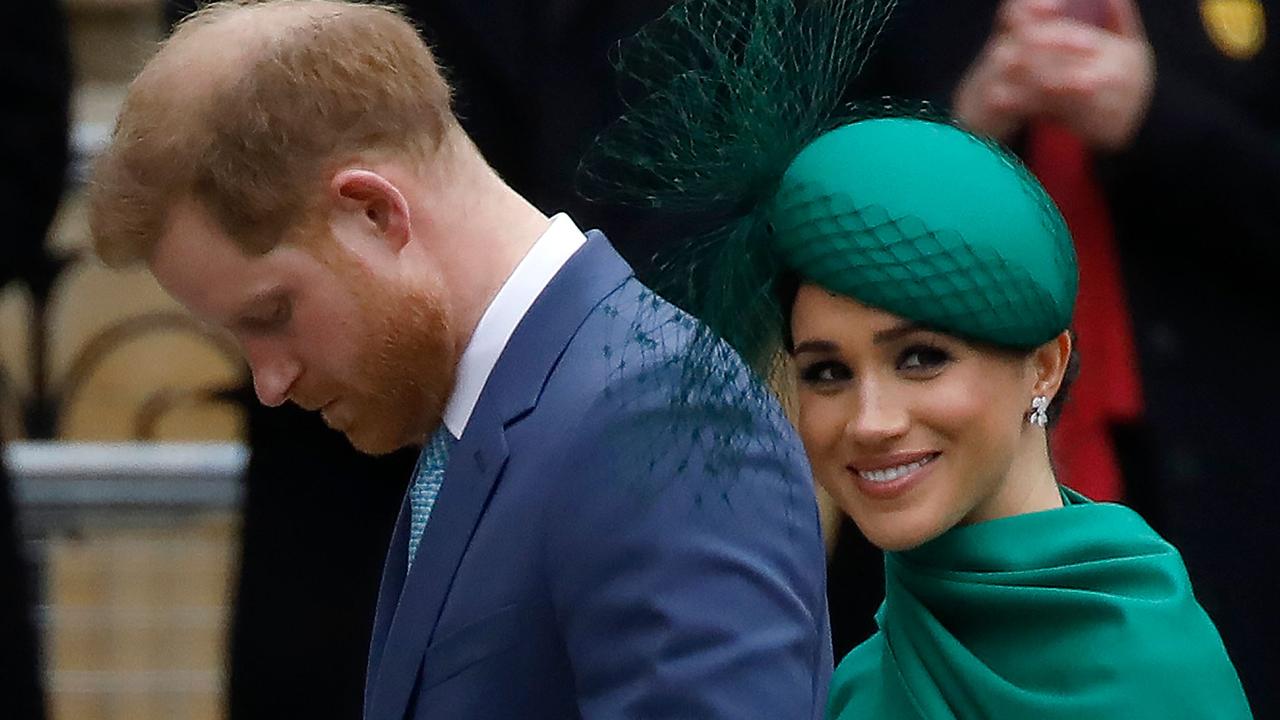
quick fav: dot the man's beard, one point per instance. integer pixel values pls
(406, 373)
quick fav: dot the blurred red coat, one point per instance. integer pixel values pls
(1108, 390)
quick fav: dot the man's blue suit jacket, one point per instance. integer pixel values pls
(595, 551)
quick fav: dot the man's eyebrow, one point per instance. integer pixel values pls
(250, 310)
(262, 297)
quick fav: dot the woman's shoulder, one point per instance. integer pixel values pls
(860, 687)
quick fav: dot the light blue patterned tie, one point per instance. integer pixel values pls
(426, 486)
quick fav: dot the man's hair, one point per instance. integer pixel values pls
(336, 80)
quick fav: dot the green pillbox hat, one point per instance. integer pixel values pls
(928, 222)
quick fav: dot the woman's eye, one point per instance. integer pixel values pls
(923, 358)
(825, 372)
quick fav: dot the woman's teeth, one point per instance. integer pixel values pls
(886, 475)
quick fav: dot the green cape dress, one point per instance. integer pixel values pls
(1077, 612)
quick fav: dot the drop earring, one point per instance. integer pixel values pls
(1039, 411)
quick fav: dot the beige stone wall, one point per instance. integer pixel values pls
(137, 629)
(135, 607)
(108, 401)
(110, 39)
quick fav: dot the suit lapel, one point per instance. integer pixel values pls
(474, 465)
(389, 591)
(409, 608)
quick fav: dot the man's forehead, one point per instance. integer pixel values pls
(200, 265)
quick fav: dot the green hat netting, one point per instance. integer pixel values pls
(741, 126)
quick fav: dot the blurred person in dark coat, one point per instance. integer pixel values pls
(304, 605)
(20, 677)
(1174, 108)
(35, 87)
(35, 90)
(533, 86)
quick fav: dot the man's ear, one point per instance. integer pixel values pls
(370, 203)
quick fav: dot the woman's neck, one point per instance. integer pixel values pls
(1030, 485)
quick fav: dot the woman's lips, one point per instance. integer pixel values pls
(886, 478)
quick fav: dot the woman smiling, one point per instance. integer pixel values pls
(930, 284)
(914, 431)
(922, 285)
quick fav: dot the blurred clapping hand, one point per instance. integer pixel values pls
(1085, 64)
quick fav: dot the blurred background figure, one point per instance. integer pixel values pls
(534, 87)
(1156, 127)
(316, 520)
(20, 671)
(33, 135)
(36, 87)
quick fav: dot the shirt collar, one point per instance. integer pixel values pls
(549, 253)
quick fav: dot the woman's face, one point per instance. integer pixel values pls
(911, 431)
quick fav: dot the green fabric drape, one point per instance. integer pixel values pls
(1078, 612)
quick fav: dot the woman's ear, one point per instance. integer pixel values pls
(1049, 363)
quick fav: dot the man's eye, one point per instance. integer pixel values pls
(280, 313)
(273, 318)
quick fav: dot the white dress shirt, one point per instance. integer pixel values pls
(552, 250)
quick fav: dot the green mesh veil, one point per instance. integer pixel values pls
(740, 123)
(740, 139)
(729, 92)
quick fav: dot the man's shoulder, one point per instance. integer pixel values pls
(634, 328)
(641, 376)
(637, 352)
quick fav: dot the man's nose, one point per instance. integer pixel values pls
(274, 373)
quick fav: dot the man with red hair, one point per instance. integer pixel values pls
(575, 541)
